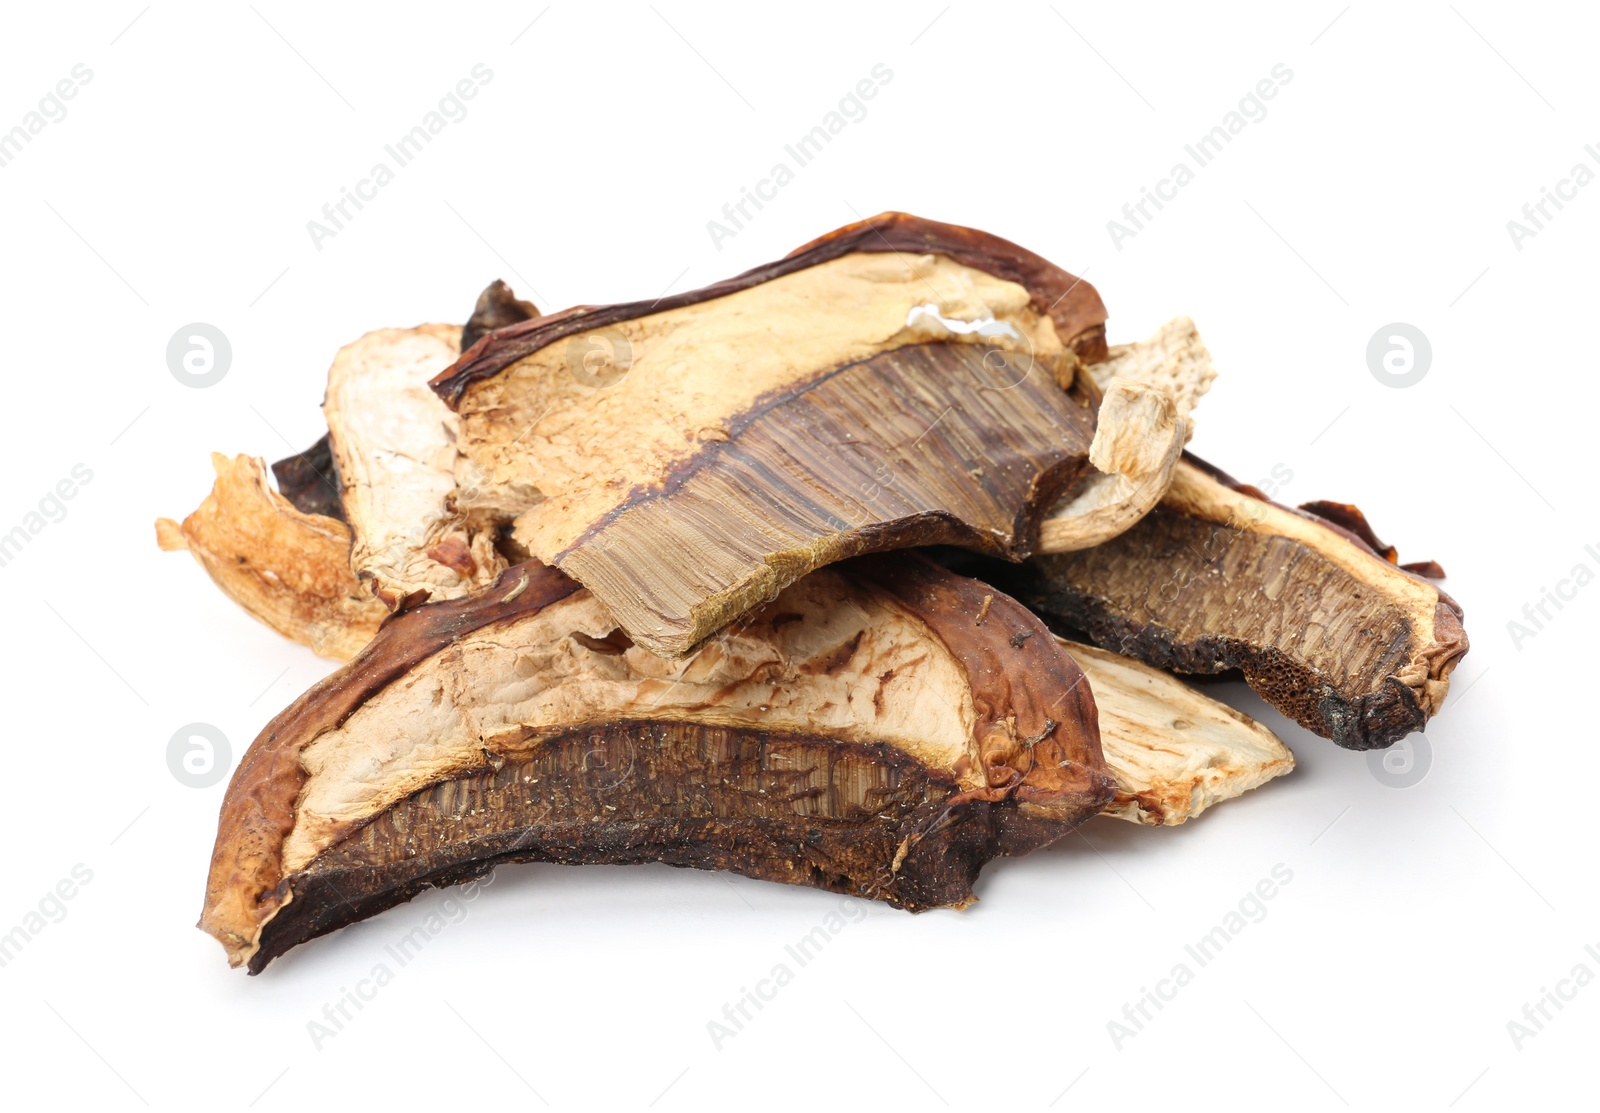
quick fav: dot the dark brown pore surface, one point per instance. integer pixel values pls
(1073, 306)
(1198, 596)
(930, 444)
(779, 807)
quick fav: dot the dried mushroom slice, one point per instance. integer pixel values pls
(896, 383)
(310, 479)
(1150, 390)
(881, 729)
(394, 447)
(289, 569)
(1217, 578)
(1138, 440)
(1174, 360)
(1172, 751)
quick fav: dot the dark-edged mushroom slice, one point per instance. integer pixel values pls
(898, 382)
(881, 729)
(1217, 577)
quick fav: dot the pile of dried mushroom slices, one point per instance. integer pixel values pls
(777, 576)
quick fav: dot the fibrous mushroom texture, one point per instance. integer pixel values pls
(881, 729)
(1217, 577)
(289, 569)
(899, 382)
(1137, 442)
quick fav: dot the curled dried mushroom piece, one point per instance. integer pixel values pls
(882, 729)
(287, 568)
(899, 382)
(1173, 360)
(1137, 442)
(310, 479)
(1149, 392)
(1216, 578)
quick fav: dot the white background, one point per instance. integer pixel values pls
(1377, 189)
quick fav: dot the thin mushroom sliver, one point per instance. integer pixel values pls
(1172, 751)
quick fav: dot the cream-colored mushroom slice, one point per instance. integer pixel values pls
(1172, 751)
(1174, 360)
(1150, 390)
(394, 443)
(1137, 442)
